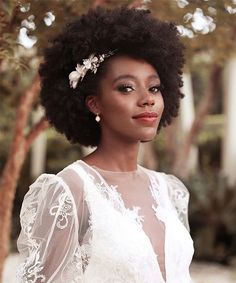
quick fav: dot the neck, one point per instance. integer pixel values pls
(114, 155)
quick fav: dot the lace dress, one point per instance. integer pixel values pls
(86, 224)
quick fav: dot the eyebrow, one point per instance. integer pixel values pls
(127, 76)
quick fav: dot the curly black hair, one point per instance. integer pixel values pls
(129, 31)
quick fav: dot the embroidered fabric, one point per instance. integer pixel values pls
(88, 225)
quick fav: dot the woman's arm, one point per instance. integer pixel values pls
(48, 242)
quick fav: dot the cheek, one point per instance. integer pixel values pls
(116, 107)
(160, 103)
(162, 108)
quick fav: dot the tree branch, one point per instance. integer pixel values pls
(37, 129)
(97, 3)
(179, 166)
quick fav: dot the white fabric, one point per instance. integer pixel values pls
(77, 228)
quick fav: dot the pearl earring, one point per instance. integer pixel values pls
(97, 118)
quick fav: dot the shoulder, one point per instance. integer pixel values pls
(67, 181)
(175, 185)
(46, 184)
(179, 197)
(177, 191)
(48, 196)
(46, 189)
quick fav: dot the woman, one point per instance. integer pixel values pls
(111, 79)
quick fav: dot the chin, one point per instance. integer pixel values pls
(148, 136)
(146, 141)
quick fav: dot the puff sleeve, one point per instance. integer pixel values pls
(179, 196)
(48, 243)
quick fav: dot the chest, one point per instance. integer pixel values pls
(128, 232)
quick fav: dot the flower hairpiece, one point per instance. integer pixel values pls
(92, 63)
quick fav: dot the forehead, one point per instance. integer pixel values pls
(125, 65)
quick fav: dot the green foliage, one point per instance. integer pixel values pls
(9, 28)
(164, 160)
(212, 214)
(60, 152)
(220, 43)
(209, 143)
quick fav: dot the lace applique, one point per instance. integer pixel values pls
(135, 216)
(179, 196)
(62, 210)
(120, 253)
(28, 219)
(115, 199)
(29, 271)
(155, 191)
(111, 194)
(180, 200)
(85, 255)
(72, 273)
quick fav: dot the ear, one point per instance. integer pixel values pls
(93, 104)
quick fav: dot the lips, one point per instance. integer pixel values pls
(146, 115)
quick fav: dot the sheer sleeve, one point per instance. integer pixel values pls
(48, 242)
(179, 196)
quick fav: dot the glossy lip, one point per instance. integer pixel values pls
(146, 115)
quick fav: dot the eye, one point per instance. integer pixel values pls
(125, 88)
(156, 88)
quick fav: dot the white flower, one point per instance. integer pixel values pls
(87, 63)
(77, 75)
(80, 69)
(92, 63)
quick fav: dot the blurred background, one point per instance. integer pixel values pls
(199, 147)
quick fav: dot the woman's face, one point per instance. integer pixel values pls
(130, 103)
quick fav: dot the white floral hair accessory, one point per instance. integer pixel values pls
(92, 63)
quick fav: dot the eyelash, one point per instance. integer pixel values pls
(123, 88)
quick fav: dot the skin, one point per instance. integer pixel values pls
(129, 87)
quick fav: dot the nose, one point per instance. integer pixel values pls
(146, 99)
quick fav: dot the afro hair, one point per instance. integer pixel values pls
(131, 32)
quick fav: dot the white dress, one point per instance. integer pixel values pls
(80, 226)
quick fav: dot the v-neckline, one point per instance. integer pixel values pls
(138, 217)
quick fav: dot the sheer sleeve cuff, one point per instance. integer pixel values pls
(179, 196)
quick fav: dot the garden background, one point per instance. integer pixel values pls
(199, 147)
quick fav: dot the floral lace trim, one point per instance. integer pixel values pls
(29, 271)
(155, 191)
(179, 196)
(86, 252)
(135, 216)
(115, 199)
(73, 272)
(62, 210)
(28, 219)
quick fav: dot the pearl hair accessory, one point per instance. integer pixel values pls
(97, 118)
(92, 63)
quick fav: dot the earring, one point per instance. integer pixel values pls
(97, 118)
